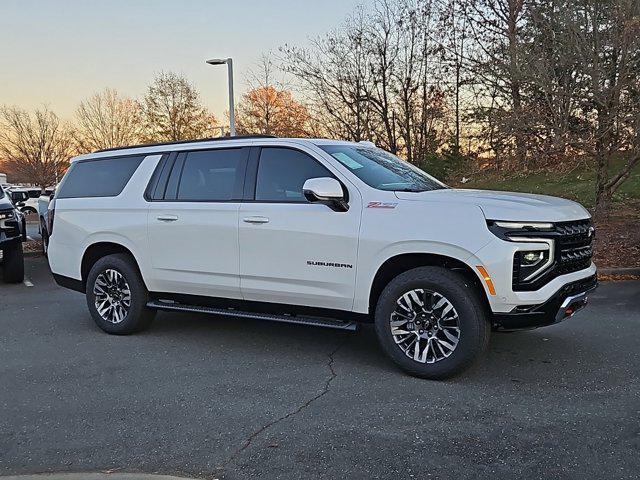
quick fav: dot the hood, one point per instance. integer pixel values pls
(506, 205)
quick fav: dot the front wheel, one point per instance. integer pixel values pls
(431, 323)
(117, 296)
(13, 263)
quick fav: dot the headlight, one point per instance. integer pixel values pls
(526, 225)
(529, 264)
(5, 215)
(511, 230)
(530, 259)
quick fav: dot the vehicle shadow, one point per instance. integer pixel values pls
(542, 355)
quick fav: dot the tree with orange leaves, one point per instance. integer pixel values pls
(268, 108)
(271, 111)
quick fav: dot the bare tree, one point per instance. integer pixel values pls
(552, 84)
(172, 110)
(333, 72)
(377, 78)
(585, 89)
(36, 147)
(607, 40)
(456, 51)
(544, 81)
(418, 78)
(497, 28)
(107, 120)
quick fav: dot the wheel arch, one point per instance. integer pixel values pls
(29, 209)
(400, 263)
(98, 250)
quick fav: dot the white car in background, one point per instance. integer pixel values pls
(27, 198)
(43, 216)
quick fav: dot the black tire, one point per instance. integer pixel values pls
(474, 329)
(29, 211)
(138, 316)
(45, 237)
(13, 263)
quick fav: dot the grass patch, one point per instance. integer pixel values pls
(579, 184)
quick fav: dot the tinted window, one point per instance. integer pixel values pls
(99, 178)
(282, 173)
(382, 170)
(19, 196)
(211, 175)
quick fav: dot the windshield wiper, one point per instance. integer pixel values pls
(412, 190)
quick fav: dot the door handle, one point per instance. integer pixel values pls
(255, 220)
(167, 218)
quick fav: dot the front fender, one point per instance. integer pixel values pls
(366, 276)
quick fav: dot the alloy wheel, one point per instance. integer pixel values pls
(425, 325)
(112, 296)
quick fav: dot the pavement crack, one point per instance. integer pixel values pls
(327, 385)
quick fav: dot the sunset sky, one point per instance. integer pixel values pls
(60, 52)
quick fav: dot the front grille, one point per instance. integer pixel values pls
(573, 243)
(574, 246)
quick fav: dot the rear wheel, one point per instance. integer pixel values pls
(117, 296)
(13, 263)
(431, 323)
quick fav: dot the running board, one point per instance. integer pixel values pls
(229, 312)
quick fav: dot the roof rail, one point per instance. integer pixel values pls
(178, 142)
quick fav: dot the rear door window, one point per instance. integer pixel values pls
(105, 177)
(212, 175)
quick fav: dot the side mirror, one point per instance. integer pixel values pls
(327, 191)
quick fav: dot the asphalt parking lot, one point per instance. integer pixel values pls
(227, 398)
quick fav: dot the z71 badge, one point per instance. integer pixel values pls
(381, 205)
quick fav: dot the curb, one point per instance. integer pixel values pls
(620, 271)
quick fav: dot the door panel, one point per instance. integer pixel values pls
(194, 247)
(293, 251)
(289, 258)
(193, 228)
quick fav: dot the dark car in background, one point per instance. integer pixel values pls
(13, 231)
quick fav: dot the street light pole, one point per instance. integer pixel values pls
(232, 116)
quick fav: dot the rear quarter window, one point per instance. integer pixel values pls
(105, 177)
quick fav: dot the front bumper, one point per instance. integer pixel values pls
(10, 236)
(569, 299)
(12, 229)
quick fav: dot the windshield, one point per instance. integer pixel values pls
(382, 170)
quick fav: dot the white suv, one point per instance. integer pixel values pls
(320, 232)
